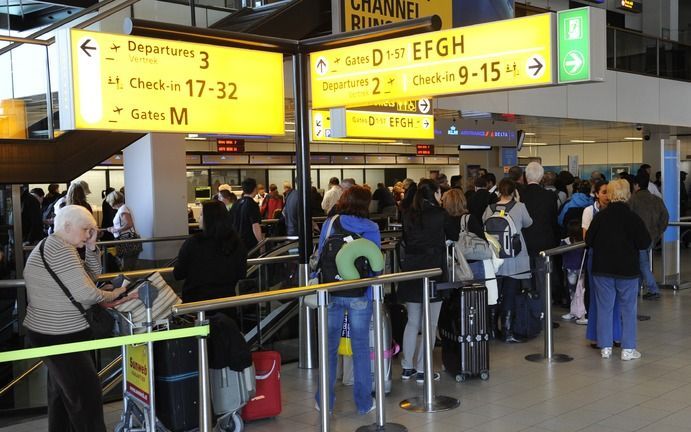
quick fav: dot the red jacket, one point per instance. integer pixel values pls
(270, 205)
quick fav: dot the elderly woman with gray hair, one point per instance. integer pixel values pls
(616, 236)
(74, 390)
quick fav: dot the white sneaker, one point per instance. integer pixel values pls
(582, 321)
(606, 353)
(630, 354)
(568, 317)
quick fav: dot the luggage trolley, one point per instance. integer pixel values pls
(230, 390)
(138, 379)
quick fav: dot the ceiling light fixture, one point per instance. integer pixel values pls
(473, 147)
(530, 134)
(633, 138)
(534, 144)
(582, 141)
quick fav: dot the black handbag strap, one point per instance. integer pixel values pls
(59, 282)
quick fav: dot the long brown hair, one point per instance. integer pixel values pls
(354, 201)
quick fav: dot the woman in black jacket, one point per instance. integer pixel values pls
(615, 237)
(213, 261)
(426, 226)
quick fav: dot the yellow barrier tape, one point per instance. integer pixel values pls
(103, 343)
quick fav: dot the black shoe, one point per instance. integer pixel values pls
(408, 374)
(651, 296)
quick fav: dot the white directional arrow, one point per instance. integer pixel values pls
(573, 63)
(424, 105)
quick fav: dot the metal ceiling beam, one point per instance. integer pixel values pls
(138, 27)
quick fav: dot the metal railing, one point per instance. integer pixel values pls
(548, 354)
(19, 283)
(322, 290)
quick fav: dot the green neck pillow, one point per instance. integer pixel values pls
(345, 258)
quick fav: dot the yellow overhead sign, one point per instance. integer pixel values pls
(360, 14)
(373, 124)
(321, 130)
(499, 55)
(133, 83)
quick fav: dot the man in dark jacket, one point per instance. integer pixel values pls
(245, 215)
(651, 209)
(543, 233)
(482, 197)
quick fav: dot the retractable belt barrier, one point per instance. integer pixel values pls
(91, 345)
(548, 354)
(322, 291)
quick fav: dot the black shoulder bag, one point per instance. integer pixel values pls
(100, 321)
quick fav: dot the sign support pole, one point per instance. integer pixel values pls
(302, 158)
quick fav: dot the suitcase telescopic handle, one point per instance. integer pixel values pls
(264, 376)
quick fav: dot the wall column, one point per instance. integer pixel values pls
(155, 191)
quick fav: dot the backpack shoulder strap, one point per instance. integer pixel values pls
(464, 222)
(509, 205)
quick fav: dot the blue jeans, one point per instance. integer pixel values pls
(646, 275)
(359, 314)
(591, 330)
(624, 291)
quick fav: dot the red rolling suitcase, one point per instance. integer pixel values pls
(267, 400)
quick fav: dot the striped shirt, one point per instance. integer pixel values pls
(49, 310)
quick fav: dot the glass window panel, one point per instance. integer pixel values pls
(258, 174)
(326, 174)
(374, 176)
(97, 183)
(117, 179)
(279, 177)
(315, 178)
(675, 61)
(196, 178)
(357, 174)
(636, 53)
(224, 176)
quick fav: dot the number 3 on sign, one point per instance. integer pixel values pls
(205, 60)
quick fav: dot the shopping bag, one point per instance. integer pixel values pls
(578, 300)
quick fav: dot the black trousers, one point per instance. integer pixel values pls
(75, 402)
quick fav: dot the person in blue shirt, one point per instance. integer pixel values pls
(352, 212)
(579, 200)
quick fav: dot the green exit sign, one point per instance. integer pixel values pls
(581, 43)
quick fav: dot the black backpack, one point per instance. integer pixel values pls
(337, 237)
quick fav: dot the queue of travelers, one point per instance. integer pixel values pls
(620, 222)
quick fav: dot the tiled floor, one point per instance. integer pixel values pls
(588, 394)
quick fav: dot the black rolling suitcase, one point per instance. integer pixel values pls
(463, 327)
(176, 368)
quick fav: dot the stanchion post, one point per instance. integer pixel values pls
(149, 324)
(380, 425)
(429, 403)
(429, 346)
(205, 420)
(323, 341)
(548, 354)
